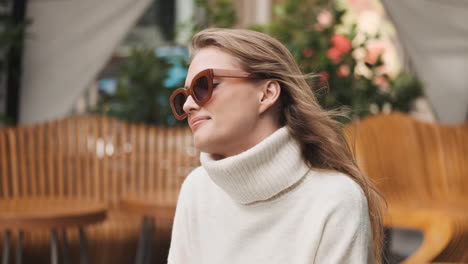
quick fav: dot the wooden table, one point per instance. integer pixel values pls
(54, 214)
(150, 207)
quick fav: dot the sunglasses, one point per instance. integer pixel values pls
(201, 89)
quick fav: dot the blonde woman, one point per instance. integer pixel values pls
(278, 183)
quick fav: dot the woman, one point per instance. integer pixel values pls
(278, 183)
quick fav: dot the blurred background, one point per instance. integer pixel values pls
(62, 57)
(123, 58)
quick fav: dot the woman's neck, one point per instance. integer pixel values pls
(261, 172)
(258, 135)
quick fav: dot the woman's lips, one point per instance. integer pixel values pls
(197, 121)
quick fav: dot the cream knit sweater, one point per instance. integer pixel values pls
(265, 206)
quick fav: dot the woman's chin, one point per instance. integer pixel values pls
(201, 141)
(205, 144)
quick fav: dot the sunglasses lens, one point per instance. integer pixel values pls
(179, 101)
(200, 88)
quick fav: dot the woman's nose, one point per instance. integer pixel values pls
(190, 105)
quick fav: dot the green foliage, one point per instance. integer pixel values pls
(11, 46)
(311, 31)
(140, 95)
(11, 37)
(220, 13)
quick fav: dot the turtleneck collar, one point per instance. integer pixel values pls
(261, 172)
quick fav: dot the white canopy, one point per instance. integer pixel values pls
(434, 34)
(68, 44)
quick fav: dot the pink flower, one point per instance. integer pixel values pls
(307, 52)
(343, 71)
(325, 18)
(361, 5)
(335, 55)
(380, 81)
(341, 42)
(382, 69)
(374, 50)
(324, 76)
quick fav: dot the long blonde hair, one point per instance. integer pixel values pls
(321, 138)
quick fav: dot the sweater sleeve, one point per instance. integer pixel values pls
(180, 251)
(346, 236)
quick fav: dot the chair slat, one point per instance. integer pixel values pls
(133, 157)
(22, 161)
(4, 160)
(97, 153)
(13, 173)
(151, 158)
(107, 143)
(141, 155)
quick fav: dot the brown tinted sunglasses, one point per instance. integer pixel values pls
(201, 89)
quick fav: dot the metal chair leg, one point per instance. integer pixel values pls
(140, 255)
(19, 248)
(145, 241)
(65, 248)
(53, 247)
(6, 247)
(84, 257)
(386, 254)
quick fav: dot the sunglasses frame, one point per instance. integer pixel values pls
(209, 74)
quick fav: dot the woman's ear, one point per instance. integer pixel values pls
(271, 91)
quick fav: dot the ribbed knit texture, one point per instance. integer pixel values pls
(265, 206)
(260, 172)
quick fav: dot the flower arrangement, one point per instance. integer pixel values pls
(349, 65)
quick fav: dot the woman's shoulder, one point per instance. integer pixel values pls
(194, 179)
(333, 195)
(335, 186)
(196, 184)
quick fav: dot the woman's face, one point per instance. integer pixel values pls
(227, 123)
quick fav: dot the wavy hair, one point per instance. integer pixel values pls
(321, 138)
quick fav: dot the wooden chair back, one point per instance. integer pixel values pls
(93, 157)
(412, 160)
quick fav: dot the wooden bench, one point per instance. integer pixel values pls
(101, 159)
(422, 170)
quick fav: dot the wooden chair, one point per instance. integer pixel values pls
(422, 170)
(99, 159)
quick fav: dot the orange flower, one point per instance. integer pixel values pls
(335, 55)
(341, 42)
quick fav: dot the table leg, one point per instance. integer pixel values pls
(144, 247)
(53, 247)
(84, 258)
(65, 248)
(151, 228)
(19, 248)
(6, 247)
